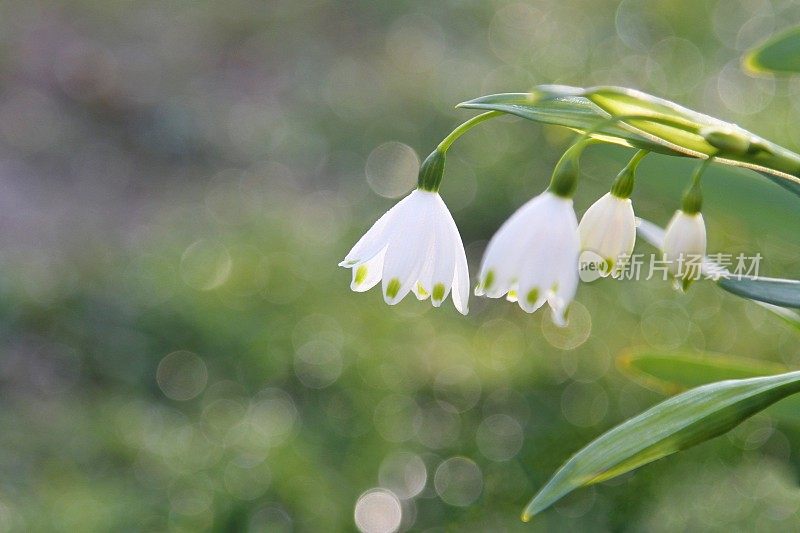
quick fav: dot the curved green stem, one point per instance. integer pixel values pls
(701, 168)
(623, 184)
(637, 158)
(464, 128)
(692, 200)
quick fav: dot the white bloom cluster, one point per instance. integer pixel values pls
(532, 259)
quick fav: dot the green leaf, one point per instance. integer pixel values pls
(576, 113)
(671, 373)
(779, 54)
(678, 423)
(790, 186)
(698, 133)
(790, 317)
(781, 292)
(685, 131)
(639, 120)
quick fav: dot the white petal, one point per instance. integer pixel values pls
(376, 237)
(461, 285)
(536, 278)
(550, 255)
(608, 229)
(502, 261)
(627, 229)
(366, 275)
(565, 260)
(440, 278)
(408, 248)
(461, 279)
(652, 233)
(423, 286)
(684, 238)
(567, 286)
(594, 221)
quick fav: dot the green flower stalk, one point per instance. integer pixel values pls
(685, 237)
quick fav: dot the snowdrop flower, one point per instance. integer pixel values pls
(608, 228)
(654, 234)
(685, 245)
(415, 246)
(533, 257)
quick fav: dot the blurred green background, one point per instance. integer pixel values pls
(179, 351)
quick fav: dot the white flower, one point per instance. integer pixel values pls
(533, 257)
(654, 234)
(413, 246)
(685, 245)
(608, 228)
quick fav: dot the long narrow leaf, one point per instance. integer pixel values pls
(741, 148)
(678, 423)
(782, 292)
(574, 112)
(671, 373)
(779, 54)
(641, 120)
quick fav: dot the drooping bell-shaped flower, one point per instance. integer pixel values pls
(685, 246)
(608, 229)
(533, 257)
(415, 246)
(685, 237)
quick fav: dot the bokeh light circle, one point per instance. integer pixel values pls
(182, 375)
(271, 518)
(584, 405)
(378, 511)
(458, 481)
(574, 333)
(665, 325)
(499, 437)
(404, 474)
(273, 415)
(205, 265)
(392, 169)
(318, 364)
(458, 387)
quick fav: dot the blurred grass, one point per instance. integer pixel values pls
(186, 176)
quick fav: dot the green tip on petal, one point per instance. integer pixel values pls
(685, 283)
(533, 296)
(438, 291)
(488, 280)
(607, 266)
(421, 290)
(361, 274)
(393, 288)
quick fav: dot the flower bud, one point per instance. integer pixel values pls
(608, 228)
(685, 246)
